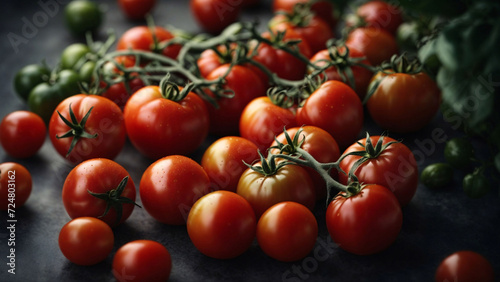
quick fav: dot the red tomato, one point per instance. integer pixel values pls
(404, 102)
(222, 225)
(209, 60)
(246, 86)
(321, 145)
(323, 8)
(159, 127)
(101, 135)
(224, 160)
(378, 14)
(170, 186)
(378, 45)
(136, 9)
(362, 76)
(280, 62)
(15, 186)
(365, 223)
(104, 179)
(215, 15)
(86, 240)
(22, 134)
(289, 183)
(315, 31)
(465, 266)
(394, 168)
(141, 38)
(336, 108)
(262, 120)
(287, 231)
(142, 260)
(118, 92)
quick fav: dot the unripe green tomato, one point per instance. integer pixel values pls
(458, 152)
(83, 16)
(437, 175)
(476, 185)
(72, 54)
(28, 78)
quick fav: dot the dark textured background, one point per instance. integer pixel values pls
(436, 223)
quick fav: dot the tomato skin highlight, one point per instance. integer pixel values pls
(381, 15)
(287, 231)
(222, 225)
(170, 186)
(141, 38)
(22, 134)
(223, 161)
(465, 266)
(378, 45)
(9, 172)
(366, 223)
(86, 240)
(142, 260)
(395, 168)
(158, 127)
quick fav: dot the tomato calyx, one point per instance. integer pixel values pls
(77, 128)
(114, 199)
(268, 166)
(300, 16)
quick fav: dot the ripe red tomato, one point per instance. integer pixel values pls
(404, 102)
(159, 127)
(101, 135)
(394, 168)
(315, 31)
(15, 185)
(378, 14)
(222, 225)
(336, 108)
(86, 240)
(289, 183)
(170, 186)
(246, 85)
(22, 134)
(262, 120)
(280, 62)
(96, 184)
(142, 260)
(136, 9)
(321, 145)
(223, 161)
(365, 223)
(362, 76)
(141, 38)
(465, 266)
(287, 231)
(215, 15)
(323, 8)
(378, 45)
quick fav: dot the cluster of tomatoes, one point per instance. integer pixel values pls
(256, 181)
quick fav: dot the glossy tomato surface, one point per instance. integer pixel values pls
(22, 133)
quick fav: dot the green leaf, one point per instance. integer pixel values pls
(449, 46)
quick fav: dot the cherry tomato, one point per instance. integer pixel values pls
(322, 147)
(215, 15)
(142, 260)
(361, 75)
(288, 183)
(262, 120)
(97, 128)
(170, 186)
(95, 185)
(287, 231)
(15, 185)
(337, 109)
(378, 14)
(222, 225)
(82, 16)
(459, 152)
(141, 38)
(378, 45)
(86, 240)
(136, 9)
(246, 85)
(365, 223)
(22, 134)
(323, 8)
(404, 102)
(476, 184)
(465, 266)
(394, 168)
(224, 160)
(28, 78)
(159, 127)
(437, 175)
